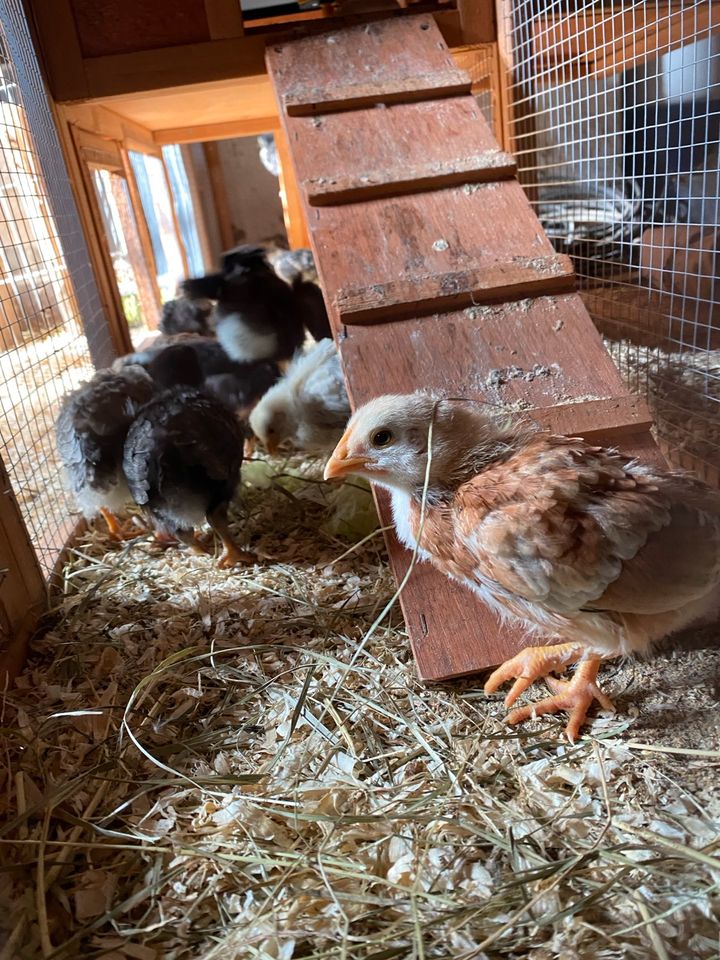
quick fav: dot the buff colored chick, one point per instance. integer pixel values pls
(308, 408)
(595, 553)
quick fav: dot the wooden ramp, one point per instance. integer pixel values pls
(437, 273)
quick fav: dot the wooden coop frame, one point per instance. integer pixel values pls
(201, 76)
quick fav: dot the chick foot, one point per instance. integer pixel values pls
(574, 695)
(116, 529)
(233, 555)
(530, 665)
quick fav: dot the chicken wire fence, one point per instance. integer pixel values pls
(46, 285)
(614, 114)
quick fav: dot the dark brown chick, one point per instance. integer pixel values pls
(183, 455)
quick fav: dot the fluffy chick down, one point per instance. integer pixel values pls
(308, 408)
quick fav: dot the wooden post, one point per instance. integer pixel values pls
(219, 192)
(293, 212)
(23, 592)
(143, 230)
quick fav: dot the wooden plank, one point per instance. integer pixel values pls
(405, 148)
(58, 47)
(23, 593)
(219, 192)
(394, 60)
(436, 250)
(529, 356)
(174, 66)
(123, 26)
(293, 211)
(224, 19)
(203, 133)
(601, 41)
(498, 280)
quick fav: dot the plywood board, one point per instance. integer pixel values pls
(384, 61)
(402, 148)
(438, 250)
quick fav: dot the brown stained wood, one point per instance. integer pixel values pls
(530, 355)
(405, 148)
(224, 18)
(498, 280)
(478, 168)
(219, 192)
(304, 101)
(438, 250)
(393, 60)
(122, 26)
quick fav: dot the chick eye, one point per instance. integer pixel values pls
(381, 438)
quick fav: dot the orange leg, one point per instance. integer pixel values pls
(116, 529)
(231, 554)
(574, 695)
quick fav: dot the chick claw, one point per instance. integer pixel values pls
(574, 695)
(232, 555)
(530, 665)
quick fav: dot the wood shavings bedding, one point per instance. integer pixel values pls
(192, 771)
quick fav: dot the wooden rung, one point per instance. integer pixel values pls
(501, 281)
(402, 148)
(392, 181)
(602, 421)
(398, 59)
(303, 101)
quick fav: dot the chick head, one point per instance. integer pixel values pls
(272, 419)
(386, 441)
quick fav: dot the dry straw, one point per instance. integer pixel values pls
(222, 766)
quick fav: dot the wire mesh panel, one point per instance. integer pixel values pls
(615, 119)
(43, 348)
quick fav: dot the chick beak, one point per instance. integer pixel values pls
(341, 464)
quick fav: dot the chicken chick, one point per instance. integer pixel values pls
(256, 315)
(584, 546)
(90, 431)
(238, 385)
(186, 316)
(183, 455)
(308, 408)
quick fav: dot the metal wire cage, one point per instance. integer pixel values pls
(45, 278)
(614, 115)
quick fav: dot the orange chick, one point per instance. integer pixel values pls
(588, 549)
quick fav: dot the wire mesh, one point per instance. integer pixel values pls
(44, 349)
(615, 120)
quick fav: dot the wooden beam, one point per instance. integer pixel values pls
(23, 592)
(219, 192)
(58, 47)
(174, 66)
(203, 133)
(224, 18)
(600, 42)
(290, 195)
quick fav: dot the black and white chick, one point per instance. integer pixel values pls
(183, 455)
(256, 314)
(309, 408)
(90, 431)
(186, 316)
(238, 385)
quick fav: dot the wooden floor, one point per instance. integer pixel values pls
(437, 274)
